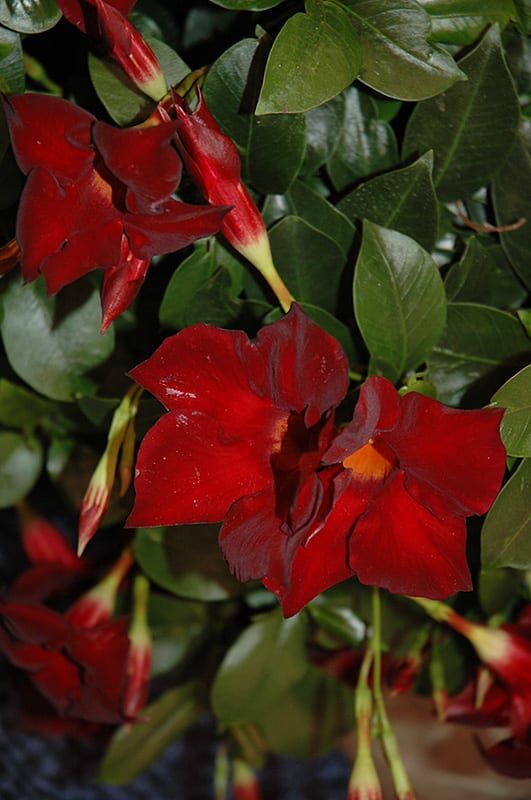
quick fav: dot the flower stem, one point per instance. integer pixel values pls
(402, 784)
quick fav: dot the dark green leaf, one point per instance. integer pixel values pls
(53, 342)
(133, 749)
(365, 145)
(12, 78)
(20, 408)
(515, 397)
(396, 57)
(124, 102)
(471, 126)
(323, 126)
(460, 22)
(484, 276)
(309, 262)
(479, 348)
(177, 627)
(186, 560)
(20, 466)
(506, 534)
(319, 51)
(58, 456)
(512, 201)
(497, 589)
(29, 16)
(339, 621)
(398, 300)
(403, 200)
(266, 660)
(248, 5)
(523, 10)
(272, 148)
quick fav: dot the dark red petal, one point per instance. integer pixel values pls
(508, 757)
(50, 133)
(34, 624)
(377, 410)
(83, 14)
(493, 711)
(251, 540)
(399, 545)
(454, 460)
(176, 225)
(121, 285)
(57, 235)
(59, 681)
(142, 158)
(189, 469)
(307, 368)
(42, 581)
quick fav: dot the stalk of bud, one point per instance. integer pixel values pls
(97, 605)
(140, 652)
(439, 691)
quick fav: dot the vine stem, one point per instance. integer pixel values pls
(402, 784)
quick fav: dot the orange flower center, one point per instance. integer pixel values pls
(372, 462)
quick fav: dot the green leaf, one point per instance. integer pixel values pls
(498, 589)
(134, 748)
(460, 22)
(248, 5)
(29, 16)
(186, 560)
(272, 148)
(177, 627)
(20, 466)
(58, 456)
(53, 342)
(319, 51)
(199, 291)
(310, 262)
(393, 201)
(265, 661)
(515, 397)
(20, 408)
(365, 144)
(470, 127)
(323, 127)
(396, 57)
(122, 99)
(512, 201)
(341, 622)
(12, 77)
(302, 201)
(399, 300)
(506, 534)
(479, 348)
(484, 276)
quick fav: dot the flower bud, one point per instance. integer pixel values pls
(97, 605)
(140, 653)
(364, 783)
(44, 543)
(245, 785)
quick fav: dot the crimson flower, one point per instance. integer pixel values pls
(97, 196)
(249, 439)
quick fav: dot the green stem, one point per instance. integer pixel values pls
(400, 777)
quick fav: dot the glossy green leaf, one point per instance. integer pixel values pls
(515, 397)
(186, 560)
(399, 300)
(471, 126)
(200, 290)
(397, 58)
(403, 200)
(58, 456)
(365, 145)
(512, 201)
(309, 262)
(134, 748)
(272, 148)
(460, 22)
(12, 77)
(523, 11)
(53, 342)
(20, 466)
(497, 589)
(177, 628)
(265, 661)
(506, 534)
(20, 408)
(484, 276)
(29, 16)
(341, 622)
(323, 126)
(479, 348)
(321, 54)
(122, 99)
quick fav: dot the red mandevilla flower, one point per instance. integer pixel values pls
(249, 439)
(126, 179)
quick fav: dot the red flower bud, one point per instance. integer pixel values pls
(97, 605)
(44, 543)
(140, 653)
(245, 785)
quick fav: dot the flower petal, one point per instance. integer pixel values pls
(34, 624)
(399, 545)
(307, 369)
(50, 133)
(377, 410)
(508, 757)
(190, 470)
(454, 460)
(83, 14)
(142, 158)
(121, 285)
(176, 225)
